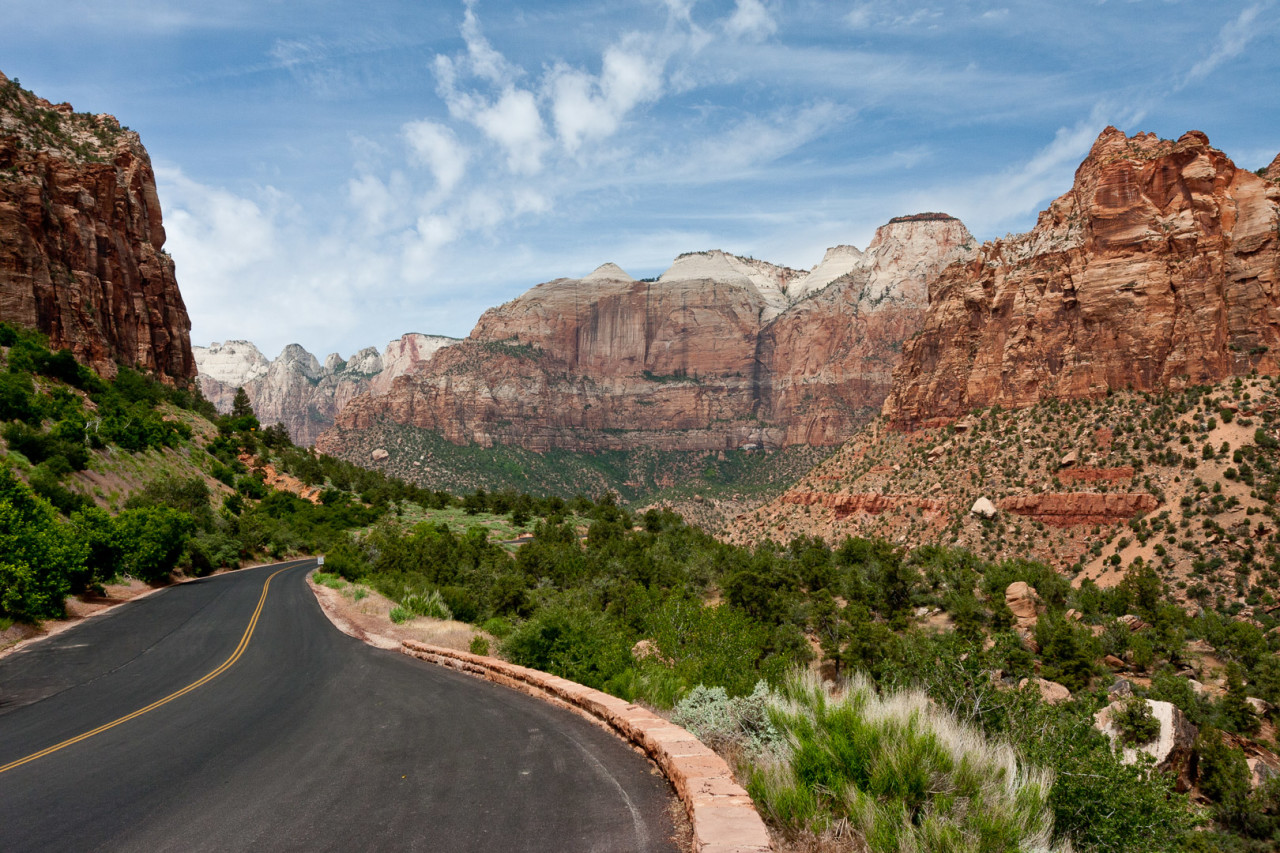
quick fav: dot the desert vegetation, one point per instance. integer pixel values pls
(823, 671)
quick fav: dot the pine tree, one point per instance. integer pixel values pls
(240, 406)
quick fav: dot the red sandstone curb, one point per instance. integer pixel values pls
(724, 818)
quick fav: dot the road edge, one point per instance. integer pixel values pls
(721, 812)
(723, 816)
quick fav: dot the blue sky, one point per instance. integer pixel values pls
(338, 173)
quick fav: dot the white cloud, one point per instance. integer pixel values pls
(435, 146)
(751, 21)
(485, 62)
(372, 200)
(1232, 39)
(589, 108)
(513, 121)
(219, 233)
(752, 143)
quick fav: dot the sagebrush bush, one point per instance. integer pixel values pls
(740, 723)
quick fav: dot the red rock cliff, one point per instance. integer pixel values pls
(720, 352)
(81, 240)
(1160, 268)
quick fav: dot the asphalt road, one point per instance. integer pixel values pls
(308, 740)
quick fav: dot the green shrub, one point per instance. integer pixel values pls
(399, 615)
(330, 580)
(213, 550)
(38, 554)
(713, 645)
(579, 645)
(497, 627)
(479, 645)
(154, 538)
(1136, 723)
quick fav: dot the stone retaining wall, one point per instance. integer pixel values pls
(723, 816)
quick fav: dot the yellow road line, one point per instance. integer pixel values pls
(226, 664)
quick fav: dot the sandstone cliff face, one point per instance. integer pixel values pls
(295, 389)
(1159, 269)
(1273, 171)
(720, 352)
(81, 239)
(830, 359)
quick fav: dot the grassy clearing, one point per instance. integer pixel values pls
(499, 527)
(897, 772)
(330, 580)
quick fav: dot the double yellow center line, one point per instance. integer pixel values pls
(225, 665)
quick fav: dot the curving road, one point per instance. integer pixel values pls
(303, 739)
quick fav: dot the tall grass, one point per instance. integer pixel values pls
(425, 604)
(900, 773)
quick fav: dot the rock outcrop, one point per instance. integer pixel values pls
(1159, 269)
(872, 503)
(1075, 508)
(718, 353)
(1171, 748)
(1024, 602)
(295, 389)
(1050, 691)
(1273, 171)
(81, 239)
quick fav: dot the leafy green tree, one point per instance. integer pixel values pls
(1236, 712)
(38, 554)
(155, 538)
(1223, 777)
(1068, 651)
(101, 535)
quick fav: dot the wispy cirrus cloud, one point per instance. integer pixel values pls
(1231, 41)
(492, 146)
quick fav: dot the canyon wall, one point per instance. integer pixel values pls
(295, 389)
(720, 352)
(81, 239)
(1160, 268)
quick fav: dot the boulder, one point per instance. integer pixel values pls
(1261, 707)
(380, 455)
(984, 508)
(1260, 771)
(1025, 603)
(1122, 689)
(649, 649)
(1171, 748)
(1068, 460)
(1114, 662)
(1050, 691)
(1133, 623)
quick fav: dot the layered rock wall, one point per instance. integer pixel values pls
(81, 239)
(719, 353)
(1159, 269)
(295, 389)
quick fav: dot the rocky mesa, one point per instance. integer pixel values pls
(296, 389)
(720, 352)
(1160, 268)
(81, 239)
